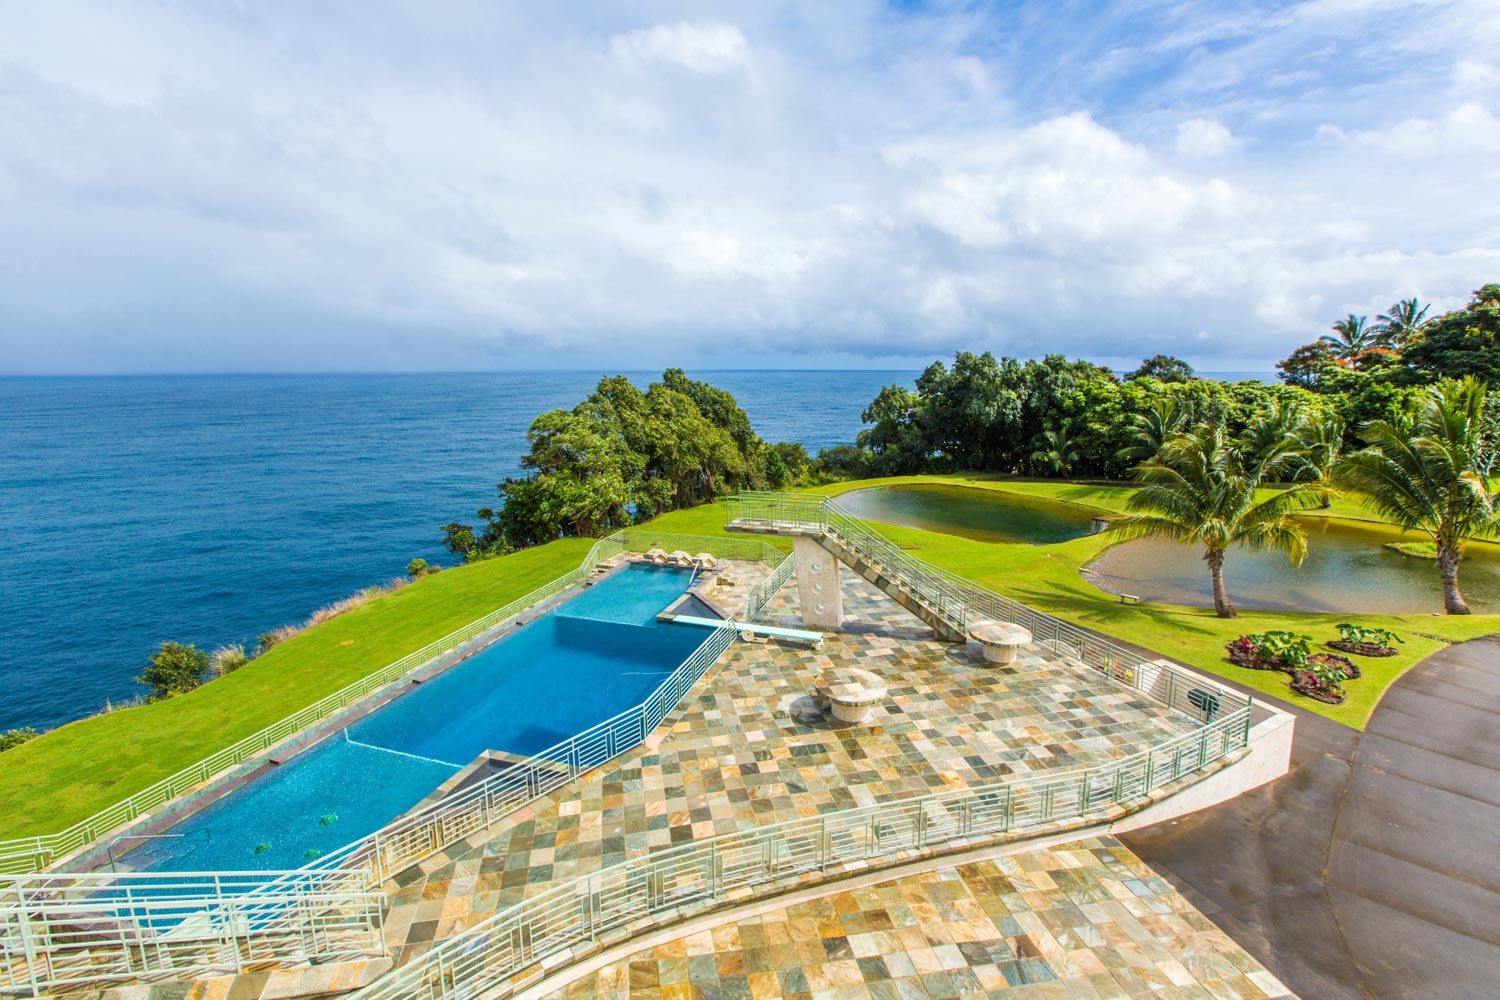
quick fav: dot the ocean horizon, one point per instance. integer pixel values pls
(210, 508)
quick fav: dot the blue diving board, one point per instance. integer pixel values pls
(796, 634)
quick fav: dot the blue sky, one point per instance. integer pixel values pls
(389, 186)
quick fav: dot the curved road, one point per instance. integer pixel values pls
(1372, 870)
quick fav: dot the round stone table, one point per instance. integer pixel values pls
(850, 692)
(1001, 641)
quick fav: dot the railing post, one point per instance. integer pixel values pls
(28, 943)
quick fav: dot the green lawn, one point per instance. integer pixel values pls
(72, 772)
(1047, 578)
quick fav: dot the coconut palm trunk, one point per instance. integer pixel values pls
(1223, 606)
(1447, 563)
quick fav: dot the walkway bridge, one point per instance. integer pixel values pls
(938, 598)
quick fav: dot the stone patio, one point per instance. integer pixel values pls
(748, 748)
(1086, 920)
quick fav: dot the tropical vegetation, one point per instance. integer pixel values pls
(1428, 468)
(1205, 487)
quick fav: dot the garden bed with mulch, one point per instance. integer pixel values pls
(1362, 648)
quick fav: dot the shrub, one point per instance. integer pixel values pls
(1356, 635)
(175, 669)
(229, 659)
(418, 568)
(1291, 648)
(12, 738)
(275, 637)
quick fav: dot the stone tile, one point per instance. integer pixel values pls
(1187, 959)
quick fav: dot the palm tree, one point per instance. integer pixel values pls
(1058, 451)
(1349, 336)
(1429, 470)
(1321, 437)
(1163, 417)
(1395, 326)
(1201, 488)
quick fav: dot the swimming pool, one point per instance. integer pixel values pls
(590, 658)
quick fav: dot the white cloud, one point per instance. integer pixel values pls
(189, 187)
(700, 48)
(1203, 137)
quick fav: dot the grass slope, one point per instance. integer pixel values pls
(74, 771)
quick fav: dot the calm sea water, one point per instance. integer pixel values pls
(208, 509)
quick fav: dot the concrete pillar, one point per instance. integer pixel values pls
(818, 589)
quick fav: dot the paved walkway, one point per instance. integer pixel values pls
(747, 749)
(1372, 870)
(1086, 921)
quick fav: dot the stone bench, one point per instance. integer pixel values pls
(1001, 641)
(849, 692)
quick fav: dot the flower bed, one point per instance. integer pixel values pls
(1308, 683)
(1362, 641)
(1316, 675)
(1350, 669)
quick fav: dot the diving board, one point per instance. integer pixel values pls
(772, 631)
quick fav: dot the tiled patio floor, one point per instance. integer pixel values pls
(745, 749)
(1087, 920)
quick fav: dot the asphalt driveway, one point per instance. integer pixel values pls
(1372, 869)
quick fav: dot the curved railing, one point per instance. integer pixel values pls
(40, 944)
(676, 883)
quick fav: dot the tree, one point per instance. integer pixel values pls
(1399, 323)
(175, 669)
(1145, 433)
(1350, 337)
(1321, 437)
(1310, 365)
(776, 472)
(1459, 343)
(1164, 368)
(1201, 488)
(1057, 453)
(1429, 469)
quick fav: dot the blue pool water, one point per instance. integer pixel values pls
(595, 655)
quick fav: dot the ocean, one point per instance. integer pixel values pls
(209, 509)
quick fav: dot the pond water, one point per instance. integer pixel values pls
(983, 515)
(1348, 569)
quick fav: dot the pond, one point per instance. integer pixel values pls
(1348, 569)
(983, 515)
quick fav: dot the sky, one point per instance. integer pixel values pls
(289, 186)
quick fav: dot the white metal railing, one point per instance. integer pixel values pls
(40, 940)
(669, 885)
(84, 928)
(960, 601)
